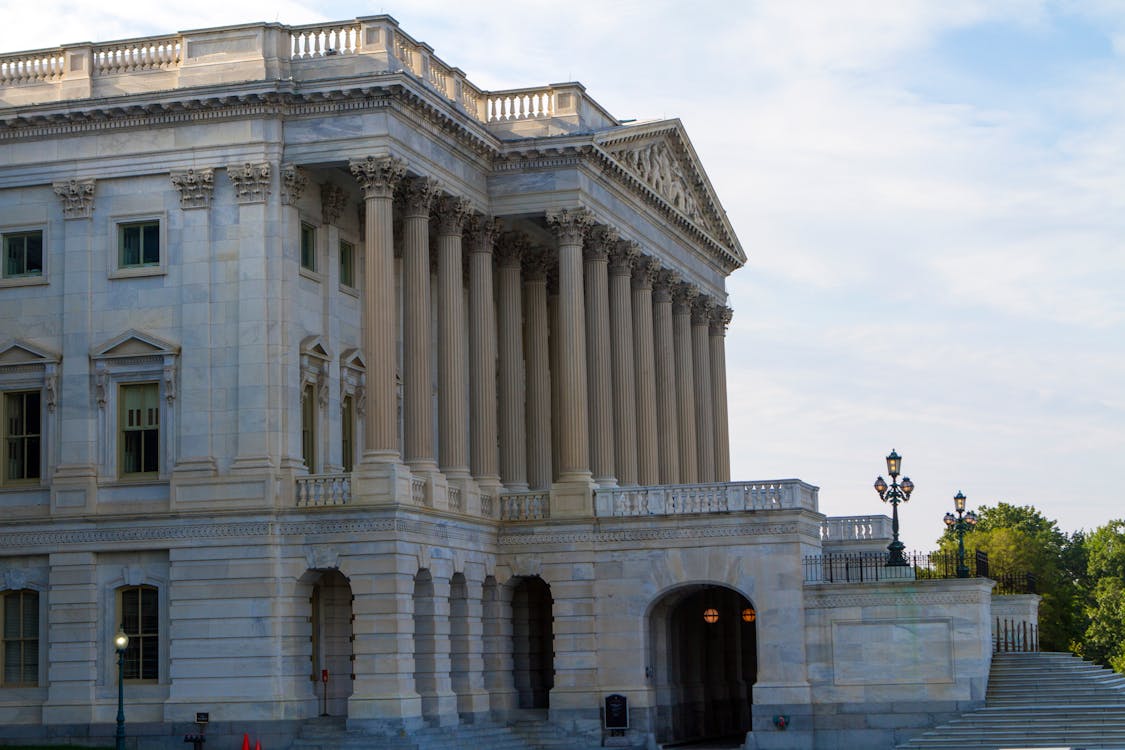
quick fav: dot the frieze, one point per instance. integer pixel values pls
(648, 534)
(894, 599)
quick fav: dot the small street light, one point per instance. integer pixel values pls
(894, 494)
(961, 523)
(120, 643)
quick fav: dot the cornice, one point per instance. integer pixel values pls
(646, 534)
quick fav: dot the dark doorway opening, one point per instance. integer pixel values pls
(533, 642)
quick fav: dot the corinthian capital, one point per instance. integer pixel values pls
(483, 232)
(644, 268)
(570, 224)
(251, 181)
(664, 280)
(510, 249)
(332, 202)
(417, 194)
(600, 241)
(536, 264)
(684, 295)
(378, 176)
(720, 319)
(622, 256)
(452, 211)
(77, 197)
(293, 182)
(195, 185)
(701, 310)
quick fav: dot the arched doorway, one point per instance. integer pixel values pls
(331, 605)
(533, 642)
(703, 650)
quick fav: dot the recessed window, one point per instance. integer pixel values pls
(139, 429)
(347, 434)
(22, 435)
(308, 427)
(20, 638)
(347, 264)
(23, 254)
(138, 244)
(308, 247)
(140, 620)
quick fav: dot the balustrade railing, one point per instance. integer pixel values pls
(525, 506)
(1011, 634)
(418, 490)
(855, 528)
(519, 104)
(487, 506)
(32, 67)
(727, 497)
(321, 40)
(317, 490)
(136, 55)
(455, 501)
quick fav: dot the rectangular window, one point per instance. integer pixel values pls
(308, 427)
(347, 264)
(139, 429)
(308, 246)
(138, 244)
(23, 254)
(347, 434)
(21, 638)
(22, 433)
(140, 620)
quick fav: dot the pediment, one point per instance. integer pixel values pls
(660, 156)
(20, 352)
(313, 346)
(353, 359)
(134, 343)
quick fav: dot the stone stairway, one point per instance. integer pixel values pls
(1039, 700)
(331, 734)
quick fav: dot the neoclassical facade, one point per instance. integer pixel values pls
(319, 362)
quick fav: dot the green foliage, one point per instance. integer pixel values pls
(1104, 638)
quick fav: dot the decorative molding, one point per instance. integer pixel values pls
(378, 176)
(333, 200)
(293, 183)
(196, 186)
(251, 182)
(77, 197)
(893, 598)
(673, 532)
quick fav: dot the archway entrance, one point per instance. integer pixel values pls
(331, 605)
(703, 652)
(533, 642)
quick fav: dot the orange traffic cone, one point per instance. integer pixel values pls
(245, 742)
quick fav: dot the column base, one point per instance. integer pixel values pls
(573, 496)
(378, 480)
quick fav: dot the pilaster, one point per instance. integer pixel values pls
(73, 650)
(720, 319)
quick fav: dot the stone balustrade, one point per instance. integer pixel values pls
(317, 490)
(418, 490)
(324, 40)
(520, 104)
(136, 55)
(46, 66)
(855, 528)
(725, 497)
(525, 506)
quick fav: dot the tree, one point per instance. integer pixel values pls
(1104, 638)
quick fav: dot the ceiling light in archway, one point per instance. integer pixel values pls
(710, 615)
(749, 615)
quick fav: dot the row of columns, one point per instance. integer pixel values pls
(593, 366)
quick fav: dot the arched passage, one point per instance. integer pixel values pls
(703, 652)
(331, 605)
(533, 642)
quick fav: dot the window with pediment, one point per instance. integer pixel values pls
(28, 396)
(314, 402)
(353, 406)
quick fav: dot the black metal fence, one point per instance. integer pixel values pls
(862, 567)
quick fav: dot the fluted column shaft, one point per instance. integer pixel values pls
(418, 194)
(513, 440)
(665, 358)
(598, 362)
(644, 363)
(484, 448)
(453, 415)
(624, 373)
(720, 319)
(683, 298)
(537, 356)
(704, 407)
(574, 455)
(378, 177)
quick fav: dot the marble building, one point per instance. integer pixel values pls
(316, 357)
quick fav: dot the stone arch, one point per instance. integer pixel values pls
(533, 641)
(702, 655)
(330, 608)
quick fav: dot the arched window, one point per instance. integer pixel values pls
(20, 655)
(139, 613)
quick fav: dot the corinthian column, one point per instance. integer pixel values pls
(624, 374)
(683, 296)
(513, 438)
(453, 415)
(571, 226)
(483, 450)
(537, 355)
(701, 361)
(720, 319)
(418, 194)
(378, 178)
(665, 357)
(644, 362)
(600, 374)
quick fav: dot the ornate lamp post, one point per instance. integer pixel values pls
(895, 494)
(961, 523)
(120, 642)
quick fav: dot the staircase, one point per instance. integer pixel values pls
(1044, 700)
(331, 734)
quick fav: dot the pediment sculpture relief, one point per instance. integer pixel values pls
(659, 168)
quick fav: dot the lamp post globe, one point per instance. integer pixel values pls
(895, 493)
(960, 523)
(120, 644)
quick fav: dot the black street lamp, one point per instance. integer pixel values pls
(961, 523)
(895, 494)
(120, 642)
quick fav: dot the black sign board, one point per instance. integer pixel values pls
(616, 712)
(202, 718)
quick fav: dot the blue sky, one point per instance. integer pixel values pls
(931, 195)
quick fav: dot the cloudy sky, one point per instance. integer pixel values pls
(931, 195)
